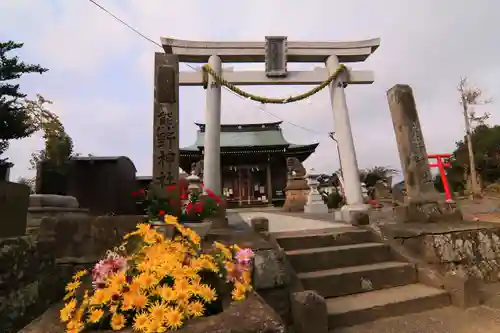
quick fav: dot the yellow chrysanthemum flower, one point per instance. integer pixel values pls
(246, 277)
(151, 236)
(157, 311)
(116, 281)
(182, 297)
(181, 284)
(140, 301)
(239, 292)
(95, 315)
(67, 311)
(118, 322)
(140, 322)
(143, 228)
(101, 296)
(147, 280)
(196, 309)
(155, 326)
(128, 301)
(72, 286)
(167, 293)
(169, 219)
(173, 318)
(207, 293)
(78, 275)
(75, 326)
(135, 287)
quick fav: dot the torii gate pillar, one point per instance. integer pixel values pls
(211, 154)
(347, 151)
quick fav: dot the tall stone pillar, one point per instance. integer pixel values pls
(211, 158)
(423, 203)
(347, 152)
(166, 124)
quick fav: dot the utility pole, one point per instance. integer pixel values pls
(332, 136)
(476, 192)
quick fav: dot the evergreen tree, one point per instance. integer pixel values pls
(15, 119)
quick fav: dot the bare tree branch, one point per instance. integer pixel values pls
(471, 96)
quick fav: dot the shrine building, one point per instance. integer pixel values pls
(253, 162)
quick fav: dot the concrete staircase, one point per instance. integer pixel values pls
(357, 275)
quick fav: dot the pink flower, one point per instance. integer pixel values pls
(244, 256)
(112, 264)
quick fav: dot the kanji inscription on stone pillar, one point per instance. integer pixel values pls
(423, 203)
(166, 122)
(410, 141)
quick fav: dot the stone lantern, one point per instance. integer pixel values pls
(315, 203)
(194, 183)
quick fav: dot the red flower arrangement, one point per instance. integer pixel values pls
(189, 207)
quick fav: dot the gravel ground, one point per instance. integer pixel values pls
(446, 320)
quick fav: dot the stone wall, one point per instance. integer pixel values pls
(35, 268)
(26, 282)
(468, 248)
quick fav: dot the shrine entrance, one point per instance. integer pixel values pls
(276, 52)
(244, 185)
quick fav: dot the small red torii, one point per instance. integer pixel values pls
(440, 164)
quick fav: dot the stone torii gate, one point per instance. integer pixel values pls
(276, 52)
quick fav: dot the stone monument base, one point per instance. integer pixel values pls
(316, 208)
(355, 214)
(51, 205)
(295, 194)
(427, 211)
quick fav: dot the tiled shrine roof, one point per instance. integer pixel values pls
(264, 136)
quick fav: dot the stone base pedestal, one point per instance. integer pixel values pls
(51, 205)
(316, 208)
(427, 212)
(315, 203)
(295, 194)
(355, 214)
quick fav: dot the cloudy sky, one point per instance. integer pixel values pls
(101, 73)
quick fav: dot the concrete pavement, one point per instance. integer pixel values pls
(279, 222)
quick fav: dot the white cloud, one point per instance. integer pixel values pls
(101, 73)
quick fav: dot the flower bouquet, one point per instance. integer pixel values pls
(190, 207)
(157, 286)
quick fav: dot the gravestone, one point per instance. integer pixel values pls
(14, 201)
(422, 202)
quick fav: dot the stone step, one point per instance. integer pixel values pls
(323, 258)
(366, 307)
(297, 240)
(357, 279)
